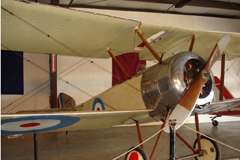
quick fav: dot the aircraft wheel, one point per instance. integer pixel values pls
(210, 149)
(137, 154)
(215, 123)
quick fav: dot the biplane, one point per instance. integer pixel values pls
(174, 88)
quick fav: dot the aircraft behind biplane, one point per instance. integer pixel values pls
(225, 107)
(171, 89)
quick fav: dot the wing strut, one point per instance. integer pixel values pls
(192, 43)
(118, 64)
(148, 46)
(222, 77)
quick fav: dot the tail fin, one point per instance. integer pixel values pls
(226, 93)
(65, 101)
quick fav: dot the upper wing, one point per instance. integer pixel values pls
(37, 28)
(32, 27)
(232, 104)
(66, 121)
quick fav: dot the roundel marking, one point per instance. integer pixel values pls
(34, 124)
(98, 105)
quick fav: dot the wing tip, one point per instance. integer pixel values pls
(223, 42)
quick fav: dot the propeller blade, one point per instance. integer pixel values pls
(186, 105)
(217, 51)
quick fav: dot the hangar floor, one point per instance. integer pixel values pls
(110, 143)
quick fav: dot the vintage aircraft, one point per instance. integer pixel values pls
(227, 107)
(171, 89)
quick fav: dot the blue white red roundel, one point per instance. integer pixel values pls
(98, 105)
(34, 124)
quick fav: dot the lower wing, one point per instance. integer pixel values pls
(66, 121)
(226, 105)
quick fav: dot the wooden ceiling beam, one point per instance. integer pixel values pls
(55, 2)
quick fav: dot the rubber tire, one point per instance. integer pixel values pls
(215, 123)
(213, 143)
(140, 151)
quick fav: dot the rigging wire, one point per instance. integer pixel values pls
(73, 51)
(94, 53)
(72, 71)
(100, 50)
(67, 47)
(59, 78)
(236, 149)
(180, 48)
(167, 50)
(227, 71)
(25, 99)
(180, 45)
(139, 144)
(203, 44)
(234, 5)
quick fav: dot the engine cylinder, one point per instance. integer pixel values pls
(164, 84)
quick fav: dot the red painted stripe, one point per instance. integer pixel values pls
(213, 108)
(232, 113)
(237, 107)
(30, 125)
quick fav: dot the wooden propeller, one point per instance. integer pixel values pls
(186, 105)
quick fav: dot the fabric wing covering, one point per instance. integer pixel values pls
(37, 28)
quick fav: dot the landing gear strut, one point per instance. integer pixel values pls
(203, 148)
(210, 149)
(215, 122)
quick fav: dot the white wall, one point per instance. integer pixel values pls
(88, 76)
(93, 79)
(36, 86)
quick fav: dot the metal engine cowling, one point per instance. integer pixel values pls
(164, 84)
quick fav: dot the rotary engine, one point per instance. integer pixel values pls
(163, 85)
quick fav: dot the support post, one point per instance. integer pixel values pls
(53, 81)
(160, 134)
(118, 64)
(222, 77)
(148, 45)
(55, 2)
(198, 135)
(172, 125)
(35, 146)
(184, 141)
